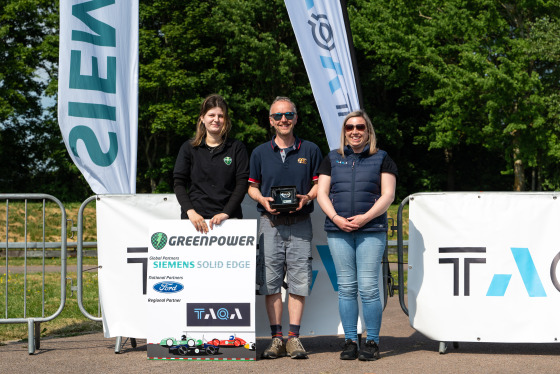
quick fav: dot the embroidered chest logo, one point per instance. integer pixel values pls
(302, 161)
(227, 160)
(342, 162)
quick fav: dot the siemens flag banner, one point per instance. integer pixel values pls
(98, 90)
(321, 35)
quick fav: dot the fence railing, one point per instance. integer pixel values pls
(33, 322)
(80, 259)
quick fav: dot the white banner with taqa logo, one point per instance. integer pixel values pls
(98, 90)
(200, 291)
(321, 35)
(483, 266)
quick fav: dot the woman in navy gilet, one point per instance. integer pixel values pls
(356, 187)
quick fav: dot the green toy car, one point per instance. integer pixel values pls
(189, 346)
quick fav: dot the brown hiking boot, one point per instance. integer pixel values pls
(295, 349)
(275, 349)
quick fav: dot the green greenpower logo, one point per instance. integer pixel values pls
(159, 240)
(227, 160)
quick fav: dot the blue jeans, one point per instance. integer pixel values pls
(357, 257)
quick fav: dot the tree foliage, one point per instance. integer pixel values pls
(30, 144)
(243, 50)
(480, 73)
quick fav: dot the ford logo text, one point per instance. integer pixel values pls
(168, 287)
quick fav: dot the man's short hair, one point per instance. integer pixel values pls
(283, 98)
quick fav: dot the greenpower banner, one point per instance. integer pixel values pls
(200, 290)
(98, 90)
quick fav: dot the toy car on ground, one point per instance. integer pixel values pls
(233, 341)
(189, 346)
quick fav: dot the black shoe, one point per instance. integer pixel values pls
(350, 350)
(369, 352)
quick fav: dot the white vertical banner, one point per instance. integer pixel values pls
(98, 90)
(321, 35)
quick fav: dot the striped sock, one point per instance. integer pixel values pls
(294, 331)
(276, 331)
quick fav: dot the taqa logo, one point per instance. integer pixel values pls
(525, 267)
(322, 31)
(218, 314)
(159, 240)
(168, 287)
(323, 35)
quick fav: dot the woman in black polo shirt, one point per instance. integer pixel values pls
(211, 171)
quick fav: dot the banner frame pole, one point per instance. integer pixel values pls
(344, 8)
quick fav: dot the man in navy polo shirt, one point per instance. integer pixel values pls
(284, 238)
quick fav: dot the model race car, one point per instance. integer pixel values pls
(189, 346)
(234, 341)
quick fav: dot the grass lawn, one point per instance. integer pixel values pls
(392, 212)
(25, 222)
(19, 213)
(393, 259)
(69, 322)
(52, 261)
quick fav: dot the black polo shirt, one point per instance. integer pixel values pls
(298, 169)
(211, 181)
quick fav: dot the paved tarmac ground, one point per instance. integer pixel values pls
(403, 350)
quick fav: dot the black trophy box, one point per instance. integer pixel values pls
(285, 199)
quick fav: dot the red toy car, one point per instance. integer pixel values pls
(232, 341)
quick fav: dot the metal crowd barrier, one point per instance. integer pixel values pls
(400, 255)
(34, 322)
(80, 241)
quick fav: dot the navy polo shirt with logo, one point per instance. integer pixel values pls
(298, 169)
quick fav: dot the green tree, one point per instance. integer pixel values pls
(243, 50)
(177, 69)
(20, 88)
(33, 157)
(260, 53)
(466, 72)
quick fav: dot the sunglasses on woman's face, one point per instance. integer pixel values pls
(359, 127)
(278, 116)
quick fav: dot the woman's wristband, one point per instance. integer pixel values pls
(332, 219)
